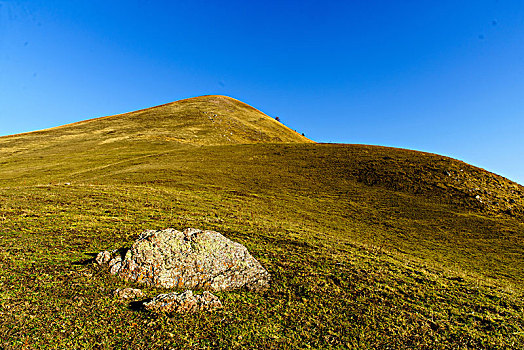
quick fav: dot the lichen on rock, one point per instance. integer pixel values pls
(128, 293)
(192, 259)
(103, 257)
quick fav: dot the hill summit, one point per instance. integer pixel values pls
(204, 120)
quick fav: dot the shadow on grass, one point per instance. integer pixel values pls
(138, 305)
(120, 251)
(87, 261)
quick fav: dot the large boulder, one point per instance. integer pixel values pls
(192, 259)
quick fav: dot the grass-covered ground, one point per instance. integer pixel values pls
(368, 247)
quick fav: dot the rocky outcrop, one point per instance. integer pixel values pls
(192, 259)
(183, 302)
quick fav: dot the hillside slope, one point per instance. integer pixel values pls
(368, 246)
(205, 120)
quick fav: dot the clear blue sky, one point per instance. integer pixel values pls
(440, 76)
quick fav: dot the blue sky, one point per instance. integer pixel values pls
(439, 76)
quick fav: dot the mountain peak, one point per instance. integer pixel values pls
(202, 120)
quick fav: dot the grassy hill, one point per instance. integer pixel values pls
(369, 247)
(205, 120)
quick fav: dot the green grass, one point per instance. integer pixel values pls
(368, 247)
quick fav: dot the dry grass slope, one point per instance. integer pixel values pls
(206, 120)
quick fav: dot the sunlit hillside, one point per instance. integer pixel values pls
(368, 246)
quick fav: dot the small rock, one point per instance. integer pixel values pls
(115, 264)
(103, 257)
(128, 293)
(183, 302)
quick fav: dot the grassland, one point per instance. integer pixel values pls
(369, 247)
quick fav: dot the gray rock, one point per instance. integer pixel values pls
(192, 259)
(103, 257)
(183, 302)
(128, 293)
(115, 264)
